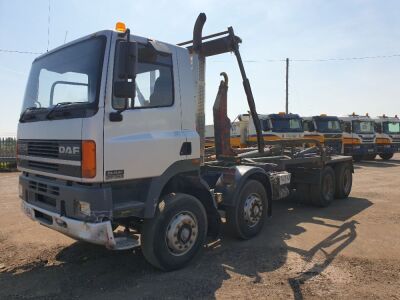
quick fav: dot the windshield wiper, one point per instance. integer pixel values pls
(62, 104)
(53, 109)
(28, 109)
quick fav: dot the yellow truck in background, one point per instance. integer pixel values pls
(327, 130)
(275, 127)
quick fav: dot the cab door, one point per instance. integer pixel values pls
(149, 137)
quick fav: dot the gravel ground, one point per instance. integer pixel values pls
(350, 250)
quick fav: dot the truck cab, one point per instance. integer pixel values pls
(326, 129)
(387, 136)
(359, 138)
(276, 127)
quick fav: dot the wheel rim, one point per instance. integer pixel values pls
(181, 233)
(346, 180)
(328, 187)
(253, 209)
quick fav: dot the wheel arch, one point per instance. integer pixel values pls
(191, 183)
(231, 186)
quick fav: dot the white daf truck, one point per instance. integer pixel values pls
(111, 136)
(387, 136)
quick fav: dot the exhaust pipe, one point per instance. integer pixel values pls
(200, 82)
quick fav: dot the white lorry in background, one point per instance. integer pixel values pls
(326, 129)
(111, 136)
(275, 127)
(359, 137)
(387, 136)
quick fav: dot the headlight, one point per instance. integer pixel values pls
(84, 207)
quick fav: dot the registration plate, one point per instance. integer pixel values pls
(370, 150)
(284, 178)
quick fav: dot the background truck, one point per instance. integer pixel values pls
(274, 127)
(327, 130)
(96, 156)
(359, 137)
(387, 136)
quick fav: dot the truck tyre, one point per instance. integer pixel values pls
(386, 156)
(323, 194)
(176, 233)
(246, 219)
(344, 181)
(357, 158)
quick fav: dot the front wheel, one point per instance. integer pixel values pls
(246, 219)
(386, 156)
(176, 233)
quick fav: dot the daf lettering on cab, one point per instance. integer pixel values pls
(387, 136)
(111, 145)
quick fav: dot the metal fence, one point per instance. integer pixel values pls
(8, 148)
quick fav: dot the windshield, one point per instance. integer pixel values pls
(326, 125)
(70, 75)
(286, 125)
(363, 127)
(391, 127)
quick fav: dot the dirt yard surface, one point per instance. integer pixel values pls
(349, 250)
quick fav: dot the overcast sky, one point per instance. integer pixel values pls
(270, 30)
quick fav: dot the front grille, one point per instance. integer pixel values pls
(43, 165)
(51, 156)
(44, 188)
(368, 140)
(396, 140)
(43, 148)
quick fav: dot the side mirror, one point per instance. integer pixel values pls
(124, 86)
(125, 89)
(127, 57)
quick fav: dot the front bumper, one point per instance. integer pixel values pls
(387, 148)
(96, 233)
(361, 149)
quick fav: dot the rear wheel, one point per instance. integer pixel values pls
(247, 217)
(176, 233)
(344, 180)
(324, 193)
(386, 156)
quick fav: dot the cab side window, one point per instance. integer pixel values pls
(154, 80)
